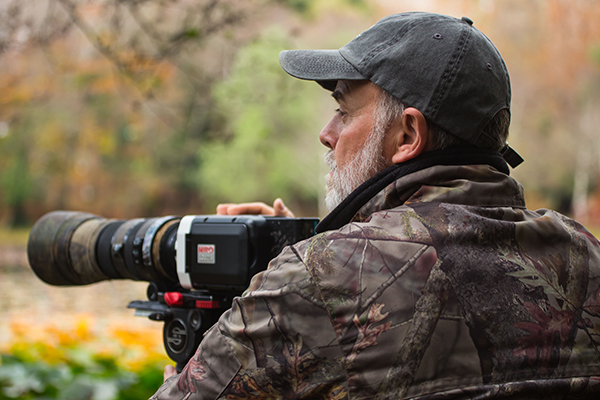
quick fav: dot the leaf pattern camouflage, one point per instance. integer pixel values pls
(444, 286)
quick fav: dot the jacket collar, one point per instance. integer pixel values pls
(445, 175)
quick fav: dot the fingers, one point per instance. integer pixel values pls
(169, 371)
(222, 209)
(281, 210)
(245, 208)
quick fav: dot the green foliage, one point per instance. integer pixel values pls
(595, 54)
(83, 375)
(192, 33)
(307, 7)
(270, 121)
(298, 5)
(72, 361)
(16, 180)
(124, 130)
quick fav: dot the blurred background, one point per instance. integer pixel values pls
(140, 108)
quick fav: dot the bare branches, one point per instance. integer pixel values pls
(137, 36)
(14, 29)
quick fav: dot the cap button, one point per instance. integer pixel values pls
(467, 20)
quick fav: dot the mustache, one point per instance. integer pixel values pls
(329, 159)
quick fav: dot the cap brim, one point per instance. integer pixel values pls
(324, 66)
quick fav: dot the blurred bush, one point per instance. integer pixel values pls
(75, 362)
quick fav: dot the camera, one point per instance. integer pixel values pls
(195, 264)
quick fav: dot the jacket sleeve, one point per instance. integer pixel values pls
(276, 341)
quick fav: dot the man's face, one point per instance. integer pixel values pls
(356, 139)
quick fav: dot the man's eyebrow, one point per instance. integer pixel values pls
(337, 95)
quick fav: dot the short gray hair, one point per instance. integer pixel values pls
(495, 131)
(388, 109)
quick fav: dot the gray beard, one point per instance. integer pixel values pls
(342, 181)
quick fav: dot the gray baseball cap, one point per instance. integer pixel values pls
(440, 65)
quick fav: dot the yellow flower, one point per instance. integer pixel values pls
(132, 344)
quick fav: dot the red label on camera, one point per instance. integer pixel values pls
(206, 254)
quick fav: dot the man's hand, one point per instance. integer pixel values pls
(169, 371)
(278, 210)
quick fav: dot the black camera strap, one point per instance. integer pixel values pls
(347, 209)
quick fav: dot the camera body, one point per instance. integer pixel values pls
(222, 253)
(195, 265)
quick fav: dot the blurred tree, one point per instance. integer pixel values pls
(92, 115)
(114, 127)
(16, 185)
(547, 45)
(312, 8)
(560, 64)
(268, 134)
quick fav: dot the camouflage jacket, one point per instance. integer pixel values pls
(444, 286)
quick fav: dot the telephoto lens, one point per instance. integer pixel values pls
(195, 264)
(75, 248)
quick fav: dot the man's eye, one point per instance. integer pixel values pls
(342, 113)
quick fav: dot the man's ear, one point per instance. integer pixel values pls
(411, 135)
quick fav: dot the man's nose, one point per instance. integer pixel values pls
(328, 135)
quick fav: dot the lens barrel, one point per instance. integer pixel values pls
(75, 248)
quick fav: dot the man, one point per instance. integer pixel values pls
(429, 279)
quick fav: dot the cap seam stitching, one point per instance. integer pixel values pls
(350, 64)
(385, 45)
(377, 50)
(503, 65)
(451, 71)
